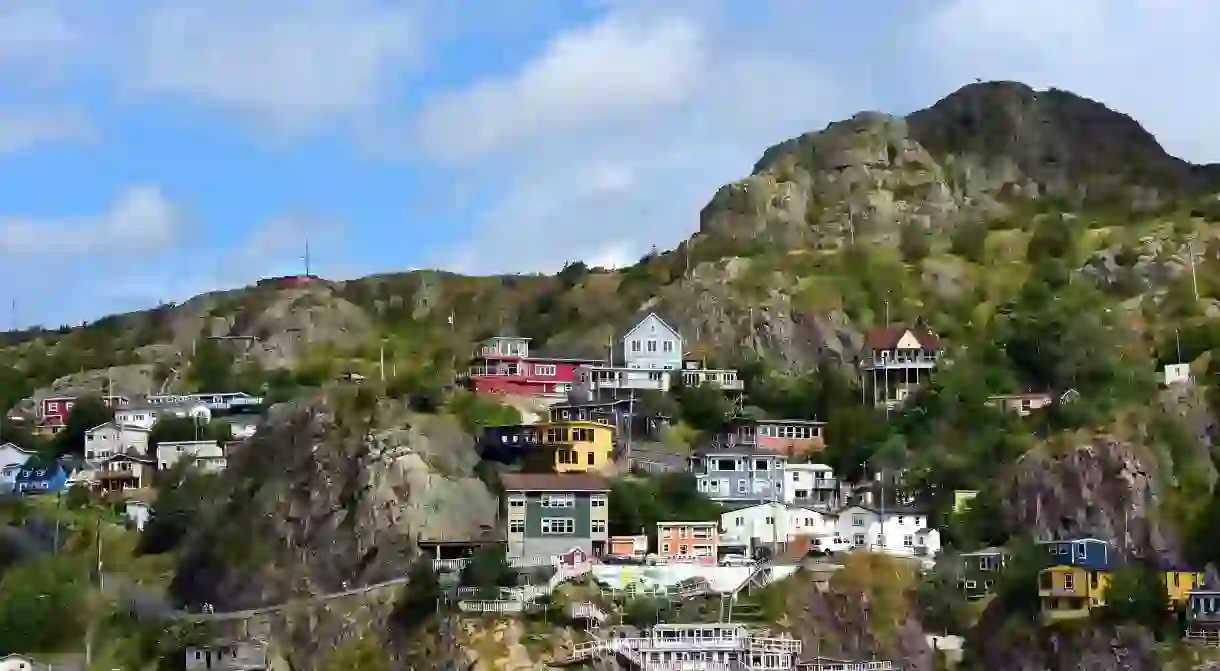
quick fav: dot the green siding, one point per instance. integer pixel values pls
(534, 512)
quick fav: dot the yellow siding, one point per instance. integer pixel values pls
(962, 499)
(1185, 581)
(1071, 591)
(580, 445)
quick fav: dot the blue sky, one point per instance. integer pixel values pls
(151, 151)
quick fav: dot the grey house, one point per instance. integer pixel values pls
(739, 474)
(550, 514)
(652, 344)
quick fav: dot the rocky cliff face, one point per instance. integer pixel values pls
(1093, 648)
(326, 497)
(1104, 488)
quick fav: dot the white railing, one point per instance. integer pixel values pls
(491, 606)
(586, 610)
(837, 665)
(791, 645)
(1204, 636)
(449, 564)
(566, 573)
(729, 643)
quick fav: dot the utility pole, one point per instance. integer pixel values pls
(101, 587)
(1177, 340)
(381, 360)
(307, 256)
(1194, 278)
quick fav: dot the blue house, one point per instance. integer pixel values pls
(738, 474)
(1089, 553)
(41, 478)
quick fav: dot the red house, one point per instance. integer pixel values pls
(53, 410)
(503, 365)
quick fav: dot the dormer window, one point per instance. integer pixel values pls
(1080, 550)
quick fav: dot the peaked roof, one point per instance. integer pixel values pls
(124, 427)
(643, 319)
(130, 457)
(888, 337)
(554, 482)
(20, 449)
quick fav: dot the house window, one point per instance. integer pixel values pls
(857, 520)
(652, 346)
(590, 459)
(683, 549)
(597, 501)
(1069, 581)
(635, 346)
(597, 527)
(770, 520)
(740, 521)
(558, 501)
(858, 540)
(667, 346)
(760, 464)
(901, 520)
(742, 487)
(970, 584)
(558, 525)
(516, 527)
(908, 541)
(545, 369)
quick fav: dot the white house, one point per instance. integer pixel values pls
(1176, 373)
(811, 485)
(147, 415)
(106, 440)
(137, 512)
(653, 344)
(249, 655)
(19, 663)
(243, 426)
(769, 524)
(900, 531)
(206, 455)
(12, 458)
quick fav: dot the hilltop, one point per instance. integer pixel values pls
(829, 231)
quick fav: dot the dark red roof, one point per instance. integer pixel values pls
(887, 338)
(554, 482)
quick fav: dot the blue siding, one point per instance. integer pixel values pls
(1089, 553)
(39, 479)
(745, 483)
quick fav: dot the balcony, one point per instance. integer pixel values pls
(725, 380)
(494, 371)
(899, 361)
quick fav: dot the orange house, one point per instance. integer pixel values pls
(688, 541)
(629, 546)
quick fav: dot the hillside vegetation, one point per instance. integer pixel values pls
(1050, 242)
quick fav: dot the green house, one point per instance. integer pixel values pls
(980, 570)
(555, 515)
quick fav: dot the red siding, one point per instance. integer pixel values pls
(529, 384)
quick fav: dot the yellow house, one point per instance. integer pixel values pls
(579, 445)
(1068, 592)
(1178, 584)
(962, 499)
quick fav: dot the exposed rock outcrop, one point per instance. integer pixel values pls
(1105, 488)
(313, 503)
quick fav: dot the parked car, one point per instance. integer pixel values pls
(736, 560)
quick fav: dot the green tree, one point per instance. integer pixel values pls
(42, 603)
(172, 429)
(915, 242)
(969, 240)
(418, 601)
(1017, 585)
(1137, 595)
(182, 504)
(211, 367)
(488, 570)
(87, 412)
(704, 407)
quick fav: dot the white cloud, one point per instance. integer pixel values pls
(140, 220)
(35, 34)
(617, 162)
(25, 127)
(293, 64)
(618, 70)
(1144, 58)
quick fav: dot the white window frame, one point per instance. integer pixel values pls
(651, 347)
(516, 502)
(546, 370)
(597, 526)
(558, 501)
(597, 501)
(516, 526)
(566, 526)
(635, 346)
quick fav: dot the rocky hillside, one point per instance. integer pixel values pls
(946, 197)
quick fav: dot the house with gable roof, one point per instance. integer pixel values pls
(896, 360)
(12, 458)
